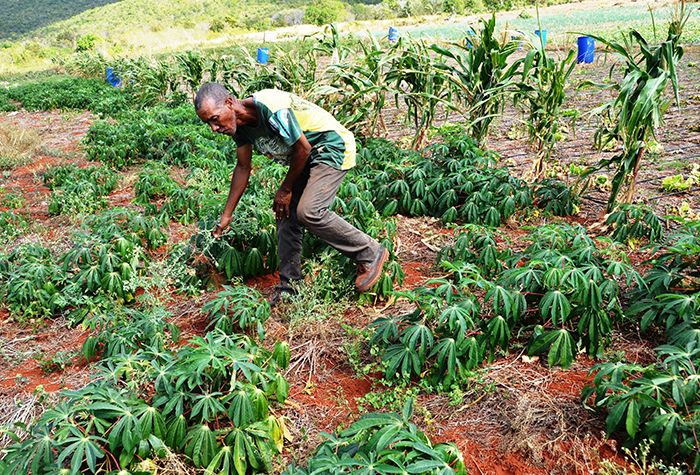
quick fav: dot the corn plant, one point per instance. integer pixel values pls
(417, 78)
(357, 89)
(148, 80)
(383, 443)
(190, 67)
(633, 117)
(542, 91)
(299, 68)
(480, 76)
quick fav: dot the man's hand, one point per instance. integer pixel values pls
(282, 203)
(221, 227)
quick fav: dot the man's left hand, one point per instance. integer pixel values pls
(282, 203)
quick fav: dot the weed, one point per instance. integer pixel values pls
(12, 225)
(56, 362)
(11, 200)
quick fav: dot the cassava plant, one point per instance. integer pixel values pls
(661, 401)
(210, 400)
(634, 222)
(658, 402)
(381, 444)
(669, 296)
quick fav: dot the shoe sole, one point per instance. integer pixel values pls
(375, 278)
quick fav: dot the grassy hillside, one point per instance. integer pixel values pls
(22, 16)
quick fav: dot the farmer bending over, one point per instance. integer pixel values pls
(319, 152)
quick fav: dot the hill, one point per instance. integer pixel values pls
(21, 16)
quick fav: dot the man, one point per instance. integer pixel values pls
(319, 152)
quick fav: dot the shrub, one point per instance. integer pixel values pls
(217, 25)
(290, 17)
(324, 12)
(86, 42)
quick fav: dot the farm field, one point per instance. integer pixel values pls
(528, 321)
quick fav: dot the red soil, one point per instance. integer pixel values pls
(27, 374)
(335, 392)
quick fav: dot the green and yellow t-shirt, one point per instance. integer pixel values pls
(282, 119)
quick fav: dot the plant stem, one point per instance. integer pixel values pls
(633, 178)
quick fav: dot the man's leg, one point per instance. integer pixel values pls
(289, 238)
(312, 212)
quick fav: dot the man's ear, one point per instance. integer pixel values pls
(229, 102)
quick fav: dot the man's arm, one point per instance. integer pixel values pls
(239, 182)
(299, 156)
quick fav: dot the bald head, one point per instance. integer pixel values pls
(215, 106)
(211, 92)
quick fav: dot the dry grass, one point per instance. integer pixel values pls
(16, 410)
(170, 464)
(16, 146)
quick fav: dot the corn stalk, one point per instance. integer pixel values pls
(356, 90)
(480, 76)
(639, 107)
(418, 78)
(542, 92)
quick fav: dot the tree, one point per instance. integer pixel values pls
(324, 12)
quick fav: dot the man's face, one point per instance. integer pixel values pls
(220, 117)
